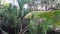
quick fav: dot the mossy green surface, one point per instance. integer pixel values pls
(49, 17)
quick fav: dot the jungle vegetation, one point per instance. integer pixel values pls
(15, 20)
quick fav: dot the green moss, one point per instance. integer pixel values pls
(50, 18)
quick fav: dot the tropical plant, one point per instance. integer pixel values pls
(38, 22)
(14, 17)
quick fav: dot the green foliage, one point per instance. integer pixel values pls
(14, 16)
(10, 15)
(49, 18)
(23, 11)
